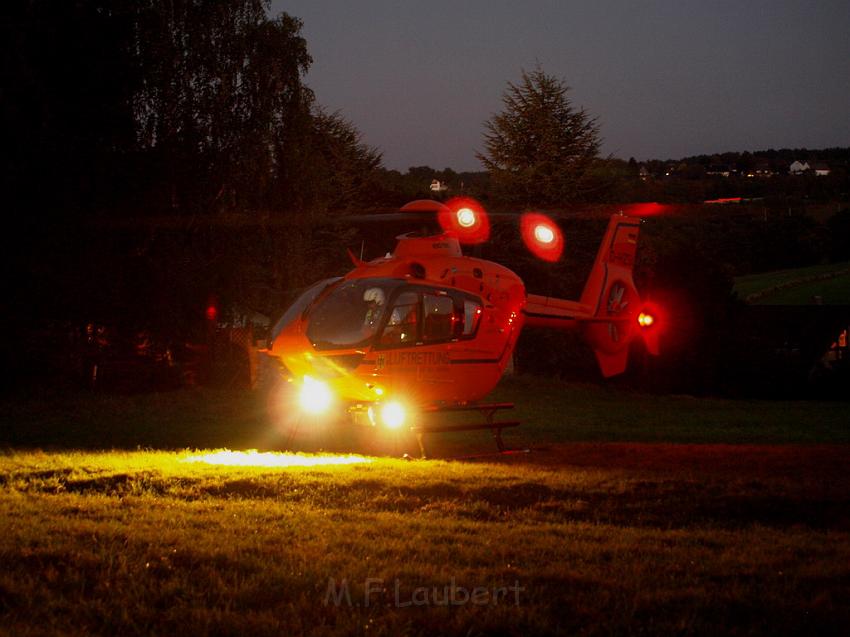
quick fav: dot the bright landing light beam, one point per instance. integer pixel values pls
(254, 458)
(393, 415)
(315, 396)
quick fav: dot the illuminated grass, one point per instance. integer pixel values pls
(603, 537)
(144, 542)
(254, 458)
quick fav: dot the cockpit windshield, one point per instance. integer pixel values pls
(300, 305)
(350, 315)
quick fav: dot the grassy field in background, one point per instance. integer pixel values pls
(834, 291)
(796, 287)
(632, 514)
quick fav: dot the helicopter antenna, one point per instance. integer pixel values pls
(362, 246)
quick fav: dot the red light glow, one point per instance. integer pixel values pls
(723, 200)
(645, 319)
(652, 321)
(466, 219)
(542, 236)
(646, 209)
(211, 312)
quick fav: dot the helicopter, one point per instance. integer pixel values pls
(426, 328)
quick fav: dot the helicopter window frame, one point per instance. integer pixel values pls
(459, 299)
(476, 316)
(302, 304)
(389, 322)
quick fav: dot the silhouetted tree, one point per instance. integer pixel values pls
(540, 148)
(339, 169)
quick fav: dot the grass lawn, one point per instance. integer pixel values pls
(602, 528)
(551, 411)
(834, 291)
(798, 286)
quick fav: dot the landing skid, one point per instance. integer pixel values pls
(487, 410)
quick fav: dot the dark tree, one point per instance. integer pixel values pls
(159, 153)
(540, 148)
(338, 170)
(220, 101)
(68, 77)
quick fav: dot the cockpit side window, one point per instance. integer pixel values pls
(427, 315)
(438, 317)
(403, 323)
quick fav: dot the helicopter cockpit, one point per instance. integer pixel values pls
(389, 313)
(350, 314)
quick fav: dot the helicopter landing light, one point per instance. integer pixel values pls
(466, 217)
(393, 415)
(316, 396)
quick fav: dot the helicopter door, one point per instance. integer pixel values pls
(428, 320)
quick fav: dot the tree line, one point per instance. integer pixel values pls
(159, 155)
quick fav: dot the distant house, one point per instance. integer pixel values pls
(644, 173)
(798, 168)
(719, 170)
(820, 168)
(438, 186)
(760, 169)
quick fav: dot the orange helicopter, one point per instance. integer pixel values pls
(426, 328)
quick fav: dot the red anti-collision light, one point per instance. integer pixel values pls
(466, 219)
(542, 236)
(652, 317)
(645, 319)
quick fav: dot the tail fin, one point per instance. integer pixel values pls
(611, 296)
(610, 312)
(614, 261)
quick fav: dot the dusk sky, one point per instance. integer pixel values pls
(665, 79)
